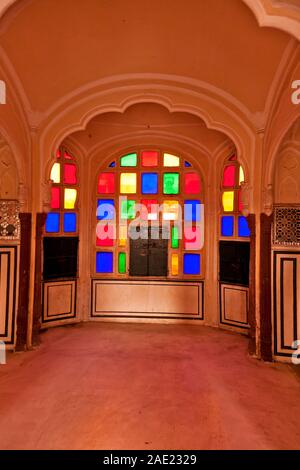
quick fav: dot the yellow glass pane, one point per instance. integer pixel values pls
(170, 210)
(55, 173)
(128, 183)
(175, 265)
(228, 201)
(70, 198)
(242, 175)
(171, 160)
(122, 235)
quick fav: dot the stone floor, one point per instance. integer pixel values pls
(129, 386)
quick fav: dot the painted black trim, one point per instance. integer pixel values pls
(55, 318)
(223, 320)
(275, 293)
(156, 315)
(10, 296)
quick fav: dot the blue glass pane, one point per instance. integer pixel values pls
(112, 165)
(70, 222)
(227, 226)
(104, 262)
(192, 209)
(105, 210)
(187, 164)
(191, 264)
(52, 222)
(244, 230)
(149, 183)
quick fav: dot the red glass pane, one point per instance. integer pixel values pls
(58, 154)
(233, 158)
(55, 198)
(106, 183)
(149, 209)
(105, 235)
(70, 174)
(192, 183)
(240, 202)
(229, 176)
(149, 158)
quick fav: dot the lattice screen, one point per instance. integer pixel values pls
(286, 230)
(9, 220)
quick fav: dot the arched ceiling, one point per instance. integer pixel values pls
(59, 47)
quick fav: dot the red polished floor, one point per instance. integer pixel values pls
(129, 386)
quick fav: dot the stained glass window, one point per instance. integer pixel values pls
(231, 222)
(156, 189)
(63, 218)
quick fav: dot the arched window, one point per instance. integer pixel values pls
(63, 218)
(233, 223)
(158, 196)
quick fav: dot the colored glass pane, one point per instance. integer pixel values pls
(228, 201)
(192, 183)
(191, 264)
(149, 159)
(55, 198)
(241, 176)
(122, 263)
(106, 209)
(129, 160)
(171, 183)
(122, 235)
(106, 183)
(175, 238)
(149, 209)
(227, 226)
(243, 227)
(104, 262)
(149, 183)
(105, 234)
(229, 176)
(187, 164)
(128, 183)
(55, 173)
(70, 222)
(127, 210)
(112, 165)
(52, 222)
(233, 158)
(70, 174)
(58, 154)
(192, 210)
(192, 238)
(175, 265)
(170, 210)
(70, 198)
(171, 160)
(240, 201)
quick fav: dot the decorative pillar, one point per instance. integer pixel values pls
(265, 290)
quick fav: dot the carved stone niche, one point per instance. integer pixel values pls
(10, 227)
(46, 195)
(8, 172)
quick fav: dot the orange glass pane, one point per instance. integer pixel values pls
(149, 158)
(175, 265)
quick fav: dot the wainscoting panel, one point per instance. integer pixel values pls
(286, 301)
(8, 293)
(59, 301)
(234, 305)
(147, 299)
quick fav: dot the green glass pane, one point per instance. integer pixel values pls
(175, 237)
(122, 263)
(128, 210)
(129, 160)
(171, 183)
